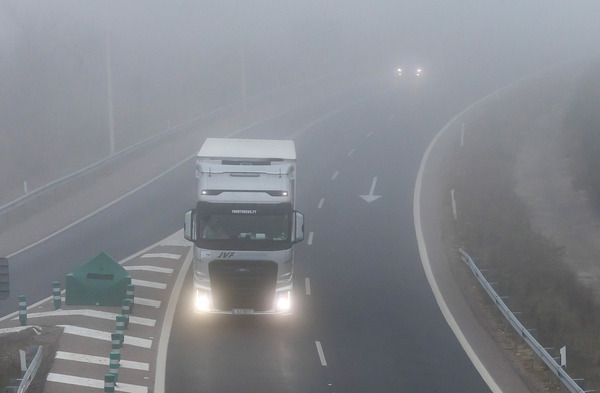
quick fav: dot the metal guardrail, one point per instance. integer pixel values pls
(539, 350)
(32, 370)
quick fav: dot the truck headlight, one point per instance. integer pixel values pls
(202, 301)
(283, 303)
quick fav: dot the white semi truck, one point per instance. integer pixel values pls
(244, 226)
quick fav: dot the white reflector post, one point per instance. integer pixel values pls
(563, 357)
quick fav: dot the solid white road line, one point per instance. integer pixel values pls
(454, 214)
(335, 174)
(92, 314)
(310, 238)
(94, 383)
(145, 268)
(321, 353)
(165, 332)
(149, 284)
(307, 285)
(146, 302)
(321, 202)
(351, 152)
(165, 255)
(104, 336)
(460, 336)
(82, 358)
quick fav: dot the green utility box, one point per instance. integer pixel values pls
(100, 282)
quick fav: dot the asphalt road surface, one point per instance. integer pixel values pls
(365, 318)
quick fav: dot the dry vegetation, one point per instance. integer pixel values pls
(495, 228)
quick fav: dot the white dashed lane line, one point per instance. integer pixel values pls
(104, 336)
(149, 284)
(162, 255)
(335, 174)
(307, 285)
(370, 134)
(101, 360)
(311, 235)
(351, 152)
(321, 202)
(91, 314)
(94, 383)
(321, 354)
(144, 268)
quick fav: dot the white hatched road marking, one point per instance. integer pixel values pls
(321, 202)
(94, 383)
(146, 268)
(165, 255)
(92, 314)
(321, 353)
(335, 174)
(17, 329)
(307, 285)
(146, 302)
(149, 284)
(105, 336)
(82, 358)
(310, 238)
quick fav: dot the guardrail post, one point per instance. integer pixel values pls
(125, 311)
(56, 299)
(22, 310)
(120, 324)
(130, 294)
(116, 341)
(109, 383)
(114, 364)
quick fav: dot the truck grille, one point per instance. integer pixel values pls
(243, 284)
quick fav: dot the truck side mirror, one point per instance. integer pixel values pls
(189, 225)
(299, 227)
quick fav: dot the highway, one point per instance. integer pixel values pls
(365, 318)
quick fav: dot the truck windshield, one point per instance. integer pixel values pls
(234, 226)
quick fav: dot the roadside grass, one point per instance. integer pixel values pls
(495, 228)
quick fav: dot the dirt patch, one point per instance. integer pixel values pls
(11, 343)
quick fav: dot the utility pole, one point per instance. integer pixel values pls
(109, 93)
(243, 89)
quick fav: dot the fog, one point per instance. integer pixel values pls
(172, 60)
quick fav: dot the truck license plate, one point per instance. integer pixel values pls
(242, 311)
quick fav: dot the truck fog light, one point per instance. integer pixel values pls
(283, 302)
(202, 301)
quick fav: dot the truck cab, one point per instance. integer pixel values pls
(244, 226)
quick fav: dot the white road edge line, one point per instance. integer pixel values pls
(165, 333)
(310, 238)
(321, 354)
(472, 355)
(335, 174)
(321, 202)
(454, 213)
(307, 285)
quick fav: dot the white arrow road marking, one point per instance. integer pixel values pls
(371, 197)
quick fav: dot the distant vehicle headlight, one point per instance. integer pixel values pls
(399, 71)
(418, 72)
